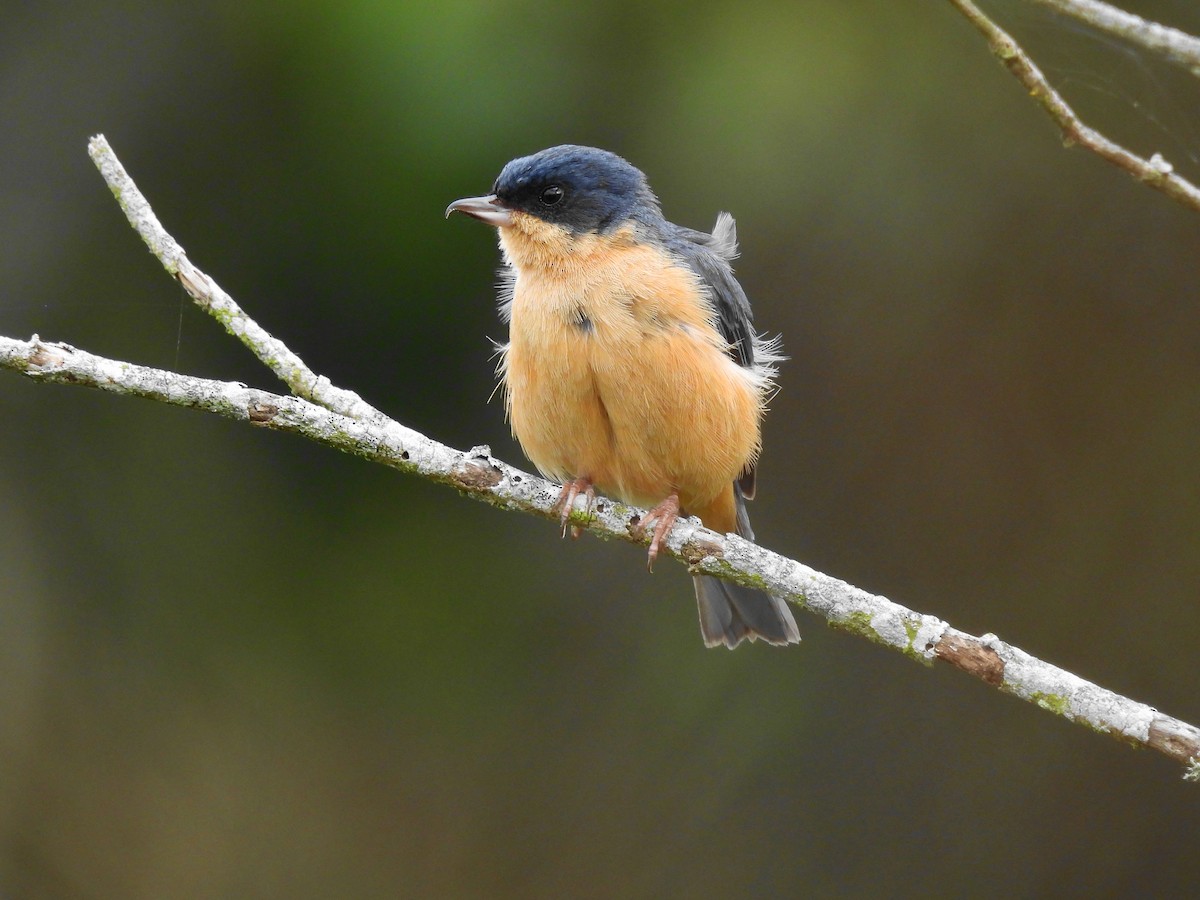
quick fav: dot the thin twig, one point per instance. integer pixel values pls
(271, 352)
(1155, 172)
(920, 637)
(1175, 46)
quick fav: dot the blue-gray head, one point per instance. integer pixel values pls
(582, 189)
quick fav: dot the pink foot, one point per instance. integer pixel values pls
(664, 516)
(566, 502)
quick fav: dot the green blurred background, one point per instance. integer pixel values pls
(236, 664)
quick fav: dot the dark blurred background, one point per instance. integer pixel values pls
(236, 664)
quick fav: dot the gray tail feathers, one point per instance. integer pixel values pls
(730, 613)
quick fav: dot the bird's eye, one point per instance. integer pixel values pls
(552, 195)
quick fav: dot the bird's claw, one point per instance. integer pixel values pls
(664, 516)
(566, 502)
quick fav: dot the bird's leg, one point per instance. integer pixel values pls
(566, 501)
(664, 515)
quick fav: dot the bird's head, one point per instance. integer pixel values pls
(579, 190)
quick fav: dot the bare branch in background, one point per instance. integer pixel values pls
(1175, 46)
(1155, 172)
(339, 419)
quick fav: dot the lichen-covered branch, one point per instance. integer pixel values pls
(477, 473)
(1171, 44)
(381, 439)
(338, 419)
(1155, 171)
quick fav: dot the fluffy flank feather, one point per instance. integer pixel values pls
(768, 354)
(724, 238)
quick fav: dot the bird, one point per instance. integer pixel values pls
(632, 365)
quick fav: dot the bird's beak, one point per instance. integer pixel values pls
(487, 209)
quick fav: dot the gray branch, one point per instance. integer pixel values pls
(1175, 46)
(272, 353)
(338, 419)
(1155, 172)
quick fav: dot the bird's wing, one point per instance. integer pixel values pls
(709, 256)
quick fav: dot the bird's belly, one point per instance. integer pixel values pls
(684, 417)
(642, 412)
(554, 405)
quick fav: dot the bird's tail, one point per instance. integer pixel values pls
(730, 613)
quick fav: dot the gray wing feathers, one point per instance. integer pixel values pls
(709, 255)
